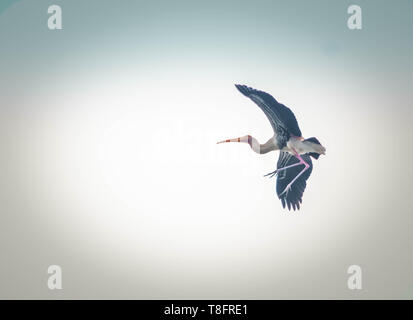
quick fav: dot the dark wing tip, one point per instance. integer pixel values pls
(291, 203)
(246, 91)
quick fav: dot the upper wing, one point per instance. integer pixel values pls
(293, 197)
(282, 118)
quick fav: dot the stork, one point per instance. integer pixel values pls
(294, 164)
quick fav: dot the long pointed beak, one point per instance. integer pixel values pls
(231, 140)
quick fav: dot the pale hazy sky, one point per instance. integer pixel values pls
(110, 169)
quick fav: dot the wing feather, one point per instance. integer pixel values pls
(293, 198)
(282, 119)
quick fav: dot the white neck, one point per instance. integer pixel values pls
(261, 148)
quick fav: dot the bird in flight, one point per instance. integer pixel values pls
(294, 164)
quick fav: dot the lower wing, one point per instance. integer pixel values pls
(293, 197)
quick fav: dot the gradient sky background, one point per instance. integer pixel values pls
(109, 166)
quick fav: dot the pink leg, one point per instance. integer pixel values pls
(306, 165)
(283, 168)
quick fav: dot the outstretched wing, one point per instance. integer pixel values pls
(282, 118)
(293, 197)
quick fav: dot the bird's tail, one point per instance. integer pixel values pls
(316, 145)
